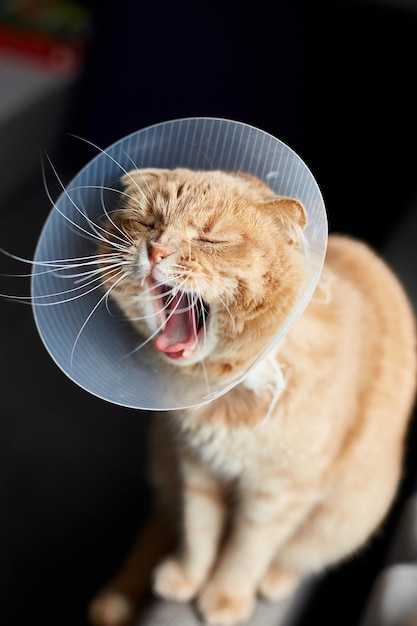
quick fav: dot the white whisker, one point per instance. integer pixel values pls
(229, 312)
(60, 268)
(202, 365)
(171, 294)
(97, 228)
(145, 342)
(92, 224)
(83, 276)
(35, 300)
(119, 165)
(93, 310)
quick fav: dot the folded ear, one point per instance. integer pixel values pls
(294, 211)
(290, 215)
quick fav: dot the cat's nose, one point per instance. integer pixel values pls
(157, 252)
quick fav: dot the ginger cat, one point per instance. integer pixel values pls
(295, 468)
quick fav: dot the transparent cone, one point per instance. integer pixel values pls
(98, 350)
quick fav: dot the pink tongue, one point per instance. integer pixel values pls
(178, 334)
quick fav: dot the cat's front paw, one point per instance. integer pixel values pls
(111, 608)
(278, 583)
(170, 581)
(224, 607)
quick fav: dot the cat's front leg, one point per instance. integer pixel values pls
(181, 575)
(262, 523)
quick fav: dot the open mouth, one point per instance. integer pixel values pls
(183, 318)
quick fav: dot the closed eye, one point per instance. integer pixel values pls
(130, 223)
(143, 224)
(212, 242)
(232, 239)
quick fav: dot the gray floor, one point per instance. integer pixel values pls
(72, 487)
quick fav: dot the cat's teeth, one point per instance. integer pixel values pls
(187, 353)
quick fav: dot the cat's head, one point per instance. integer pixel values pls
(207, 264)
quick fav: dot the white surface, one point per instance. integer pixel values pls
(393, 601)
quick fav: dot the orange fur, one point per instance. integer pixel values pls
(229, 238)
(265, 501)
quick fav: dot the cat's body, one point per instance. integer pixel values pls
(295, 468)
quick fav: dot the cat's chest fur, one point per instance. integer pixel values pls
(223, 451)
(230, 449)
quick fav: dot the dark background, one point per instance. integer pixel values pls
(334, 80)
